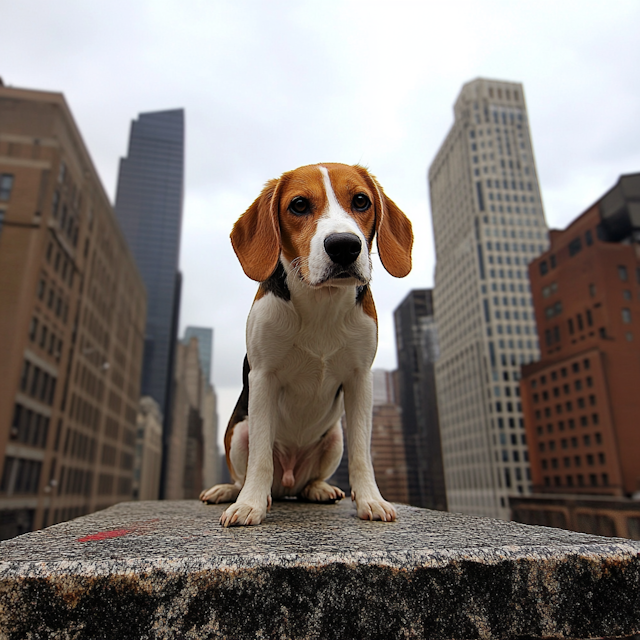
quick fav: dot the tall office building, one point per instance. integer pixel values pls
(417, 347)
(488, 224)
(149, 208)
(72, 316)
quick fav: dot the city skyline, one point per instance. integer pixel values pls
(262, 114)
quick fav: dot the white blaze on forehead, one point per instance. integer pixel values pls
(331, 196)
(334, 219)
(334, 212)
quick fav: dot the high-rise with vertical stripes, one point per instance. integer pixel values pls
(488, 224)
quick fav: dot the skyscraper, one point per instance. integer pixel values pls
(488, 224)
(149, 208)
(417, 345)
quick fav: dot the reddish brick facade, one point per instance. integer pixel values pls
(387, 452)
(581, 401)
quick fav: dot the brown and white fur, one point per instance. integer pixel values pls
(311, 340)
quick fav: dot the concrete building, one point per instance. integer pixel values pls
(149, 207)
(417, 348)
(72, 316)
(581, 400)
(212, 470)
(148, 459)
(193, 458)
(488, 224)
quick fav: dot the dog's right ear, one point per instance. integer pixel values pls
(256, 235)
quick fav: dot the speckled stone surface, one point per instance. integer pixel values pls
(168, 570)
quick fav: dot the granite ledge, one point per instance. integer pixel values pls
(168, 570)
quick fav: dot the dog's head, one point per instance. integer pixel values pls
(320, 220)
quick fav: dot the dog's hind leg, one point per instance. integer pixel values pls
(221, 493)
(237, 456)
(330, 454)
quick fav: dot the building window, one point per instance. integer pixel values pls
(626, 316)
(622, 273)
(592, 290)
(6, 184)
(544, 268)
(588, 238)
(589, 318)
(575, 246)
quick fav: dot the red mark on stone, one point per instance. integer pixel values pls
(139, 528)
(104, 535)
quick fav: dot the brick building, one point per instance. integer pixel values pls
(387, 438)
(72, 317)
(581, 400)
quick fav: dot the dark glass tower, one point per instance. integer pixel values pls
(417, 345)
(149, 208)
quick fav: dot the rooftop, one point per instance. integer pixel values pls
(168, 570)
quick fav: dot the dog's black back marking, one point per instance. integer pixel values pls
(241, 410)
(276, 283)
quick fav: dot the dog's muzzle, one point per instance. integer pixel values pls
(343, 248)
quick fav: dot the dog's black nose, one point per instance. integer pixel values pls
(343, 248)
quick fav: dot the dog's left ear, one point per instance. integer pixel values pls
(394, 231)
(256, 235)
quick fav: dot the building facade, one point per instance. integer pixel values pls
(193, 458)
(387, 439)
(72, 316)
(148, 459)
(581, 399)
(149, 208)
(417, 349)
(488, 224)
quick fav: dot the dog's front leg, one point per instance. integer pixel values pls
(358, 398)
(255, 496)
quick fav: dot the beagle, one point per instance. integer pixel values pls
(311, 340)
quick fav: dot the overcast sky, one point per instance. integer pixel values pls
(274, 84)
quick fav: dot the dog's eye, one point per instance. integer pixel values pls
(299, 206)
(360, 202)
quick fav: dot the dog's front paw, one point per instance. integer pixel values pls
(374, 509)
(320, 491)
(243, 514)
